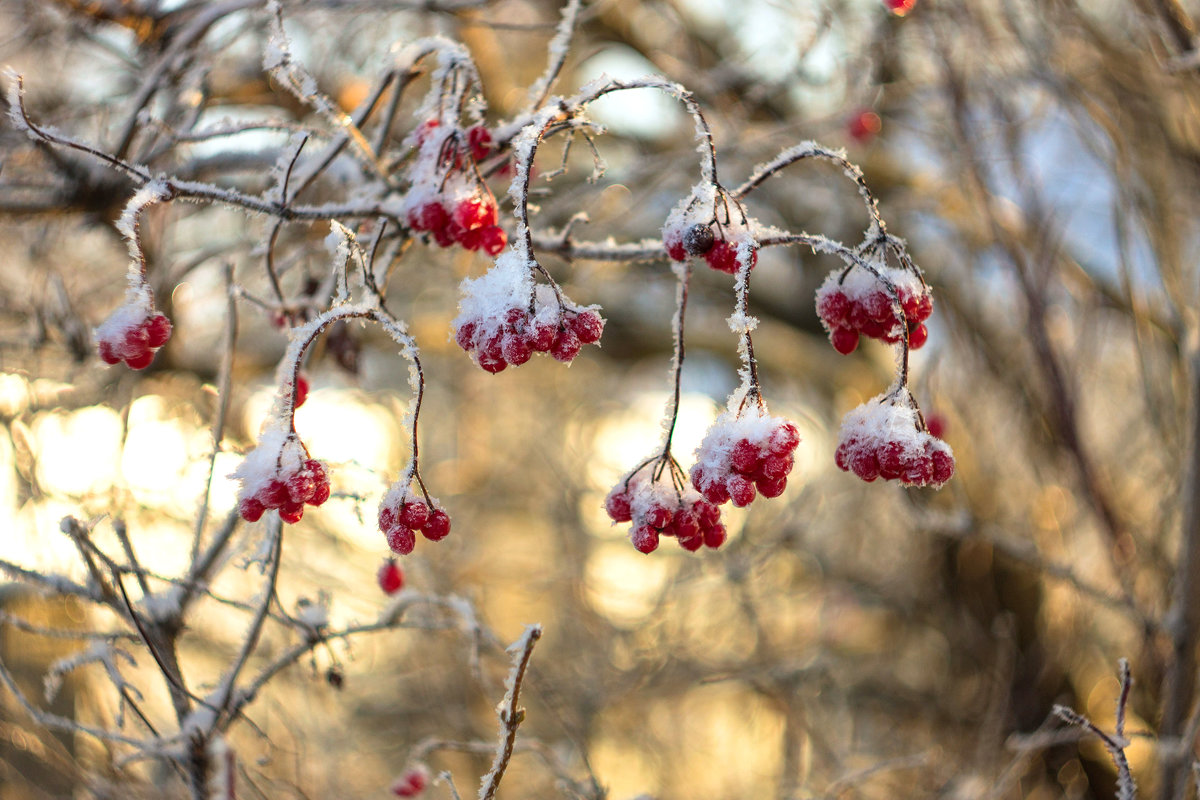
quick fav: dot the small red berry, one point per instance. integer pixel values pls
(140, 360)
(301, 487)
(516, 349)
(274, 494)
(566, 346)
(391, 578)
(675, 250)
(744, 458)
(741, 490)
(658, 517)
(864, 125)
(844, 340)
(618, 508)
(401, 540)
(301, 389)
(158, 330)
(437, 527)
(943, 466)
(784, 439)
(588, 326)
(493, 239)
(917, 337)
(479, 139)
(715, 536)
(644, 538)
(771, 487)
(543, 337)
(465, 336)
(414, 513)
(107, 354)
(251, 509)
(291, 512)
(411, 783)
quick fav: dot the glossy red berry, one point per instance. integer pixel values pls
(251, 509)
(618, 507)
(437, 527)
(390, 577)
(414, 514)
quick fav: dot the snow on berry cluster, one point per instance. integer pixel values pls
(278, 474)
(134, 332)
(658, 508)
(411, 783)
(692, 230)
(402, 513)
(742, 456)
(447, 198)
(883, 438)
(857, 302)
(498, 328)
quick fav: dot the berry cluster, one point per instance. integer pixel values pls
(279, 474)
(857, 303)
(132, 333)
(390, 576)
(699, 240)
(520, 335)
(500, 326)
(447, 198)
(657, 508)
(744, 456)
(402, 515)
(885, 439)
(411, 783)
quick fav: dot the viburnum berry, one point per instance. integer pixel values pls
(883, 438)
(856, 303)
(278, 474)
(693, 230)
(479, 139)
(499, 328)
(390, 576)
(864, 125)
(301, 389)
(658, 508)
(402, 514)
(411, 783)
(900, 7)
(743, 456)
(134, 332)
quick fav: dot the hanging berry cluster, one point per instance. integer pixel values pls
(856, 301)
(278, 474)
(654, 499)
(742, 456)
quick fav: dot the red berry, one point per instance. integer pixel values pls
(543, 337)
(842, 456)
(864, 465)
(844, 340)
(492, 362)
(135, 341)
(741, 490)
(301, 487)
(465, 336)
(715, 493)
(411, 784)
(774, 467)
(437, 527)
(158, 330)
(723, 257)
(891, 461)
(390, 577)
(291, 512)
(431, 217)
(658, 517)
(692, 543)
(618, 508)
(771, 487)
(301, 389)
(714, 536)
(493, 239)
(675, 250)
(251, 509)
(566, 346)
(475, 212)
(107, 353)
(917, 337)
(588, 326)
(140, 360)
(387, 520)
(900, 7)
(744, 458)
(401, 540)
(414, 513)
(936, 424)
(865, 124)
(918, 471)
(687, 525)
(833, 308)
(274, 494)
(644, 538)
(784, 439)
(943, 466)
(516, 349)
(479, 139)
(321, 490)
(708, 514)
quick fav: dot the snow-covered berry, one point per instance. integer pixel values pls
(402, 513)
(743, 456)
(278, 474)
(857, 303)
(657, 508)
(883, 438)
(134, 332)
(500, 327)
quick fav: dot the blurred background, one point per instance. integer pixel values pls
(850, 640)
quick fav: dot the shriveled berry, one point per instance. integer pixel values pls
(437, 527)
(698, 240)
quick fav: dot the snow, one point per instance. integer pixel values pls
(279, 452)
(137, 308)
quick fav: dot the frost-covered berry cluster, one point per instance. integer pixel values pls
(743, 456)
(504, 319)
(133, 333)
(278, 474)
(658, 508)
(856, 302)
(402, 514)
(448, 199)
(885, 438)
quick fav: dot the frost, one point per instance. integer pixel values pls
(278, 452)
(137, 308)
(163, 606)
